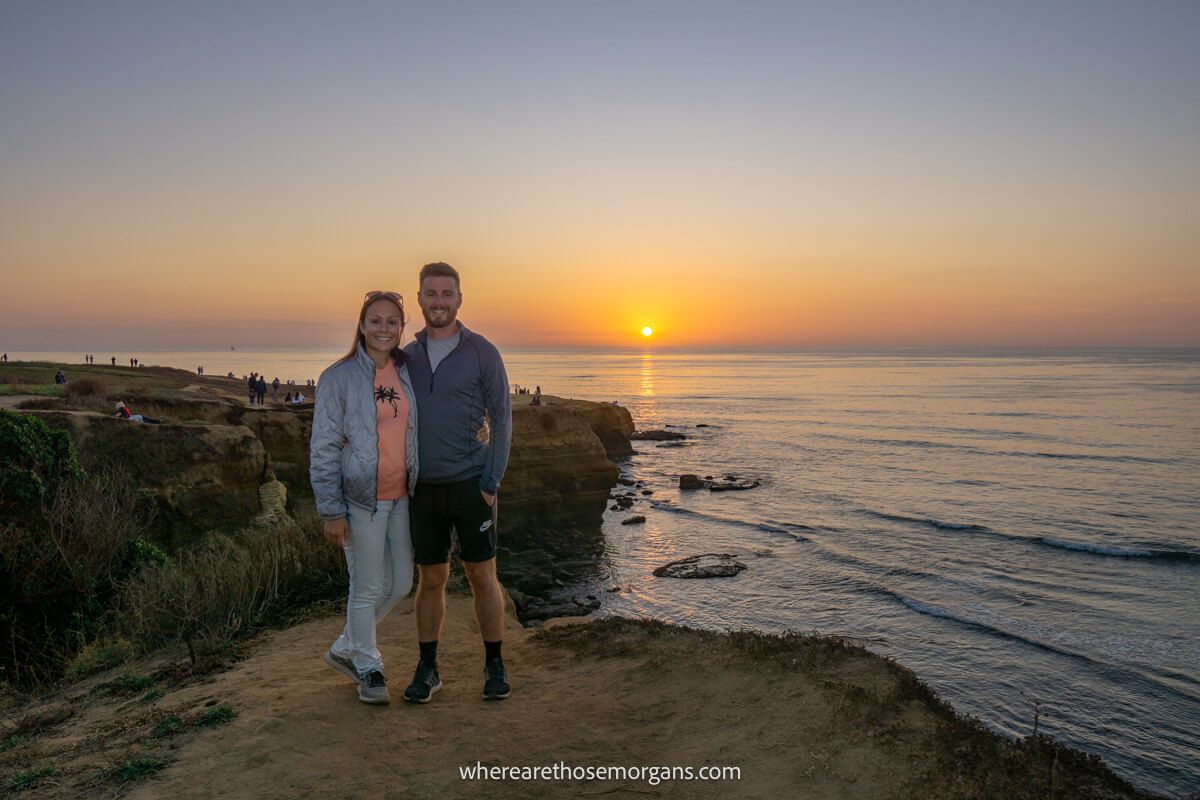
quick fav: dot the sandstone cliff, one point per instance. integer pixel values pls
(197, 477)
(203, 469)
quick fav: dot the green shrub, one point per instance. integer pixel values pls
(144, 552)
(133, 769)
(217, 715)
(99, 656)
(133, 683)
(33, 459)
(13, 742)
(28, 778)
(167, 726)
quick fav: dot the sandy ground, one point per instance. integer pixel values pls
(639, 699)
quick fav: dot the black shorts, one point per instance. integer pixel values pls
(437, 510)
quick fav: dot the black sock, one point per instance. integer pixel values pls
(491, 650)
(428, 651)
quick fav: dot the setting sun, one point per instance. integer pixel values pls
(646, 331)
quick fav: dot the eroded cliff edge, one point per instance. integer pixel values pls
(216, 465)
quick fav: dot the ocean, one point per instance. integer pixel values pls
(1020, 527)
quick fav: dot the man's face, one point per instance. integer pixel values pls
(439, 301)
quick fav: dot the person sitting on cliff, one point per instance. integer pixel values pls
(124, 413)
(460, 476)
(288, 398)
(367, 405)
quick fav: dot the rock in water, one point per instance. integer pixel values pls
(733, 486)
(634, 520)
(709, 565)
(692, 482)
(657, 436)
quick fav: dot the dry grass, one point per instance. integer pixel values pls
(229, 586)
(85, 387)
(60, 573)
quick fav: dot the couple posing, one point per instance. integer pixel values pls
(378, 408)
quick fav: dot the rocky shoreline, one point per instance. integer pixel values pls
(215, 465)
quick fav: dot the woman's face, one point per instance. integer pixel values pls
(381, 327)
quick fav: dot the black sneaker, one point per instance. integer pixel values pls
(425, 682)
(495, 680)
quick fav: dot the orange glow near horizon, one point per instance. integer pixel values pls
(230, 190)
(885, 303)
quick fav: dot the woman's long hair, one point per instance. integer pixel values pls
(398, 355)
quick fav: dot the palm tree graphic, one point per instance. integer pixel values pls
(386, 394)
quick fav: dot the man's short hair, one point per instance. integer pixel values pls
(439, 269)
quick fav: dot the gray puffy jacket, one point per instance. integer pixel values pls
(344, 448)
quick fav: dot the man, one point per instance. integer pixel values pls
(456, 375)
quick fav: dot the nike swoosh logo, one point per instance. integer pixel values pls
(485, 526)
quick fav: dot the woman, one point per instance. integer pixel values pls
(363, 455)
(124, 413)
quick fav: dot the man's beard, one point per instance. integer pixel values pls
(447, 320)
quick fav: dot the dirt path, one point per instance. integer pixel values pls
(801, 719)
(11, 401)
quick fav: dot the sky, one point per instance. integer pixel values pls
(200, 175)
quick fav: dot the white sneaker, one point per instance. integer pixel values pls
(372, 688)
(342, 665)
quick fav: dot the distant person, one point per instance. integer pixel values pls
(460, 476)
(298, 399)
(114, 361)
(367, 407)
(275, 389)
(59, 377)
(231, 376)
(123, 412)
(537, 397)
(252, 385)
(4, 358)
(260, 389)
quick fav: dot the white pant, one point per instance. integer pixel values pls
(379, 557)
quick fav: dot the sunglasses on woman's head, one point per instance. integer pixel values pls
(398, 298)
